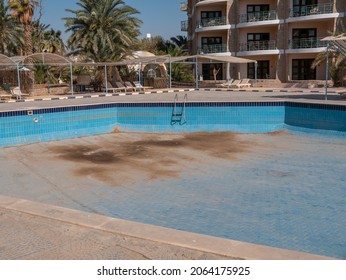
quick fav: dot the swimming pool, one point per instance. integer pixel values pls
(27, 126)
(278, 195)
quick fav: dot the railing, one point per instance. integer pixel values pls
(219, 48)
(184, 25)
(300, 11)
(217, 21)
(307, 43)
(258, 16)
(183, 6)
(257, 46)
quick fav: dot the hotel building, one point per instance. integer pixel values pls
(283, 36)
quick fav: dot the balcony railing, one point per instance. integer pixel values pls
(184, 25)
(307, 43)
(257, 46)
(219, 48)
(257, 16)
(217, 21)
(300, 11)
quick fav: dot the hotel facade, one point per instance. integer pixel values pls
(283, 36)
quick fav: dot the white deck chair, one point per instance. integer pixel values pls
(111, 88)
(16, 92)
(244, 83)
(227, 84)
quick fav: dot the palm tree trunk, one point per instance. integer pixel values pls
(29, 79)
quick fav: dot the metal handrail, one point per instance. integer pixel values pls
(307, 43)
(184, 25)
(308, 10)
(257, 46)
(179, 116)
(217, 48)
(217, 21)
(257, 16)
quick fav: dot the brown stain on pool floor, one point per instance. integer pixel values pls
(152, 156)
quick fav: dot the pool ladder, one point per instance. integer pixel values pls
(178, 114)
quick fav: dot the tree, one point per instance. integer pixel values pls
(336, 59)
(180, 41)
(11, 38)
(23, 11)
(52, 42)
(180, 72)
(103, 30)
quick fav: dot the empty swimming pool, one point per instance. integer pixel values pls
(280, 189)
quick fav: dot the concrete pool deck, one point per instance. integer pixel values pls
(193, 95)
(31, 230)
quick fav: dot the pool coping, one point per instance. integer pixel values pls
(101, 94)
(203, 243)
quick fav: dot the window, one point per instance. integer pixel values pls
(212, 45)
(211, 14)
(258, 41)
(211, 41)
(304, 33)
(258, 37)
(256, 12)
(301, 69)
(300, 7)
(304, 38)
(304, 2)
(262, 70)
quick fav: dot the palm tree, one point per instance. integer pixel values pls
(102, 29)
(180, 41)
(23, 11)
(52, 42)
(11, 38)
(337, 60)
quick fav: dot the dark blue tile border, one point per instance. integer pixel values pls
(333, 107)
(171, 104)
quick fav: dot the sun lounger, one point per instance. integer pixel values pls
(121, 86)
(140, 87)
(235, 83)
(241, 83)
(245, 83)
(227, 84)
(130, 86)
(16, 93)
(111, 88)
(5, 95)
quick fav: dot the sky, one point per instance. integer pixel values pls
(160, 17)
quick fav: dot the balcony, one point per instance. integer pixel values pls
(219, 48)
(257, 46)
(311, 10)
(206, 2)
(307, 43)
(184, 26)
(257, 16)
(183, 6)
(211, 22)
